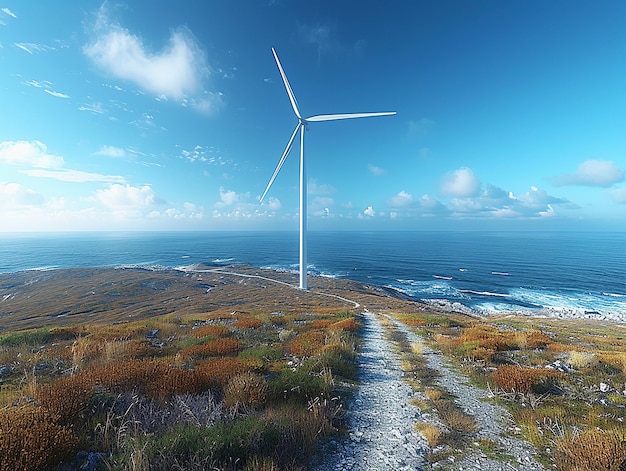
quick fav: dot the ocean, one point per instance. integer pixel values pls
(540, 273)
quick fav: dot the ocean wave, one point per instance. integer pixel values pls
(42, 268)
(280, 268)
(500, 273)
(574, 303)
(491, 308)
(222, 260)
(428, 289)
(441, 277)
(483, 293)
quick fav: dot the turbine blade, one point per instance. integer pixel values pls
(333, 117)
(281, 161)
(292, 96)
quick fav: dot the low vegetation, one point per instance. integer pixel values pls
(246, 389)
(563, 381)
(140, 370)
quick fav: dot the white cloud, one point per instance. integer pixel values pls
(228, 197)
(461, 182)
(377, 171)
(502, 213)
(74, 176)
(537, 198)
(189, 212)
(602, 173)
(32, 48)
(28, 153)
(15, 195)
(549, 212)
(314, 188)
(234, 199)
(96, 108)
(320, 206)
(274, 204)
(209, 104)
(174, 72)
(37, 84)
(402, 199)
(496, 202)
(421, 128)
(208, 155)
(111, 151)
(126, 196)
(9, 12)
(369, 212)
(56, 94)
(431, 205)
(466, 205)
(618, 195)
(322, 37)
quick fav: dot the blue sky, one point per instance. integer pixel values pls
(170, 115)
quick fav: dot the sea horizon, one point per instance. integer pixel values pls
(556, 273)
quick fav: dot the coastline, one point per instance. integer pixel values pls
(36, 298)
(547, 274)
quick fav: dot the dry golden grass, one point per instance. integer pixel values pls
(430, 432)
(615, 359)
(580, 359)
(321, 323)
(513, 378)
(348, 324)
(433, 394)
(593, 450)
(308, 343)
(417, 348)
(247, 323)
(261, 463)
(458, 422)
(212, 348)
(210, 331)
(246, 389)
(31, 439)
(65, 399)
(218, 372)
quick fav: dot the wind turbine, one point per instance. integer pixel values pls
(303, 126)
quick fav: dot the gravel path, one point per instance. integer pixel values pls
(380, 419)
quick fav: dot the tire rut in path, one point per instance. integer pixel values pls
(380, 418)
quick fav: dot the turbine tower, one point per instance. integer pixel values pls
(302, 126)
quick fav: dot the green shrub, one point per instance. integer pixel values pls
(300, 385)
(262, 352)
(26, 337)
(222, 443)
